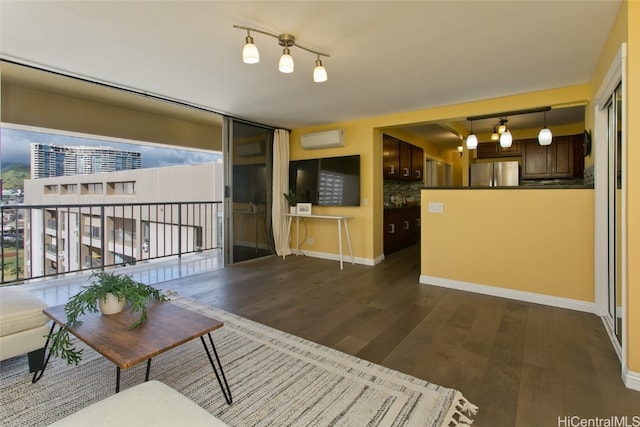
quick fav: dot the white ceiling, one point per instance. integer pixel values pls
(385, 56)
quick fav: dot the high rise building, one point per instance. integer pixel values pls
(54, 160)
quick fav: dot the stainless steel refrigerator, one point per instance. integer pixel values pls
(497, 174)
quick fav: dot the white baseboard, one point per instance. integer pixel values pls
(631, 379)
(570, 304)
(346, 259)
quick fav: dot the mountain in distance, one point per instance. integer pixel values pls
(14, 174)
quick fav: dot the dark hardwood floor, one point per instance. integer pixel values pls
(522, 364)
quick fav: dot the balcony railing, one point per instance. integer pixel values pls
(102, 235)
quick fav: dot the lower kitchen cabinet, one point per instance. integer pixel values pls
(401, 228)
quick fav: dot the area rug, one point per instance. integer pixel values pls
(276, 379)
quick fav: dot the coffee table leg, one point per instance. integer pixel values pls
(226, 391)
(146, 377)
(38, 374)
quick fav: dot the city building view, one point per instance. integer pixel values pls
(52, 160)
(87, 207)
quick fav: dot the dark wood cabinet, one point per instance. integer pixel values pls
(401, 161)
(490, 150)
(401, 228)
(417, 163)
(391, 230)
(390, 157)
(548, 161)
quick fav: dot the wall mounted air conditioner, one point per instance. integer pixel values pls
(250, 149)
(328, 139)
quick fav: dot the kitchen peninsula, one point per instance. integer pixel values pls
(525, 243)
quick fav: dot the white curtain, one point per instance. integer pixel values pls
(280, 186)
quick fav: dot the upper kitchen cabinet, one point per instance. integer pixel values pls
(548, 161)
(490, 150)
(417, 163)
(401, 161)
(390, 157)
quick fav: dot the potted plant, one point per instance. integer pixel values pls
(292, 199)
(103, 285)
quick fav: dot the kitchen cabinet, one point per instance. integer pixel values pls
(417, 163)
(548, 161)
(390, 157)
(391, 230)
(490, 150)
(401, 228)
(401, 161)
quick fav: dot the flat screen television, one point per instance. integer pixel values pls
(330, 181)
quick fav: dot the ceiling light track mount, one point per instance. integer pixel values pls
(250, 53)
(509, 113)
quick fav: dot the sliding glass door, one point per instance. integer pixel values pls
(615, 189)
(248, 177)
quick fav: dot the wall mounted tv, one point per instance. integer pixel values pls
(331, 181)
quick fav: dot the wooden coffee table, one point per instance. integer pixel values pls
(167, 327)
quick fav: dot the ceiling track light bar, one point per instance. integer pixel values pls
(251, 55)
(284, 40)
(509, 113)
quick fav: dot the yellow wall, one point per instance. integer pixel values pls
(530, 240)
(364, 137)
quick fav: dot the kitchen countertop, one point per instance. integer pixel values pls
(523, 187)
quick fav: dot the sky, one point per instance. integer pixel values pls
(15, 146)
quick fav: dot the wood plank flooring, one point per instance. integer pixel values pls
(523, 364)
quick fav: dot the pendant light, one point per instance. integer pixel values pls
(472, 140)
(545, 137)
(506, 139)
(495, 136)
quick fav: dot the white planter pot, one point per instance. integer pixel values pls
(111, 305)
(292, 210)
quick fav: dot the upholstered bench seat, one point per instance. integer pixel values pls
(23, 326)
(148, 404)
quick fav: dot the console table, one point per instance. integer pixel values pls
(340, 220)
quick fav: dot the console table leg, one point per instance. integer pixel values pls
(346, 232)
(226, 391)
(340, 241)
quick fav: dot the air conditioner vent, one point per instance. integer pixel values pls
(328, 139)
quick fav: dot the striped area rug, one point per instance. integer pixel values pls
(276, 379)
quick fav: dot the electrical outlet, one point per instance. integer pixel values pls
(310, 241)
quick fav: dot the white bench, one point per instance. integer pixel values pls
(151, 403)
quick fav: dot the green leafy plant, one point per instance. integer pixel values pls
(134, 293)
(291, 197)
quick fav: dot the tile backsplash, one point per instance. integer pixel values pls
(399, 193)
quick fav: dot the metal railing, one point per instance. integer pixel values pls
(40, 241)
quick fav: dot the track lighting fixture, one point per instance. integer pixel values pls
(503, 134)
(250, 54)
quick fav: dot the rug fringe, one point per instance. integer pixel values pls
(460, 411)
